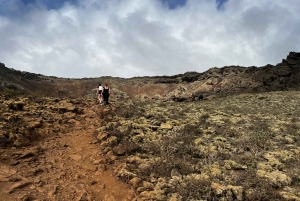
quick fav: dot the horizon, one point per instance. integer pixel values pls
(182, 73)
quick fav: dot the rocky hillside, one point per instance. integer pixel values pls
(182, 87)
(241, 148)
(241, 143)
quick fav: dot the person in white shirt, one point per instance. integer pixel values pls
(100, 90)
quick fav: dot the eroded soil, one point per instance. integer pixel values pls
(65, 165)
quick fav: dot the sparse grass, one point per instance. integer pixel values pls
(242, 128)
(257, 189)
(10, 93)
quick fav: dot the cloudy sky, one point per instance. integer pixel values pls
(128, 38)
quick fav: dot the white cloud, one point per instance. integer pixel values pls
(144, 38)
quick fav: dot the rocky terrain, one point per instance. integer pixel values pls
(226, 134)
(240, 147)
(48, 151)
(188, 86)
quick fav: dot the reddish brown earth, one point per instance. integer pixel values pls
(64, 166)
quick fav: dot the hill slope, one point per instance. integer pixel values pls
(187, 86)
(239, 147)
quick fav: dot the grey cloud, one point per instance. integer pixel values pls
(257, 20)
(139, 38)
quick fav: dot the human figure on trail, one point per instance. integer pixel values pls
(105, 93)
(100, 91)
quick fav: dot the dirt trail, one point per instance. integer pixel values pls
(67, 167)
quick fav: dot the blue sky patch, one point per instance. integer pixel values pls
(51, 4)
(173, 4)
(56, 4)
(220, 3)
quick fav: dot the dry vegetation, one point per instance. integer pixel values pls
(242, 147)
(239, 147)
(224, 147)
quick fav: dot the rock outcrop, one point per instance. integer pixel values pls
(183, 87)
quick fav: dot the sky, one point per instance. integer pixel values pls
(129, 38)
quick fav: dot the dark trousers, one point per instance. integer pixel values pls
(105, 97)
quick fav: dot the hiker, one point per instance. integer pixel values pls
(105, 93)
(99, 92)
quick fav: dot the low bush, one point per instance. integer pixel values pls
(225, 139)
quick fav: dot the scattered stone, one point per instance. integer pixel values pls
(19, 185)
(97, 162)
(101, 136)
(119, 150)
(91, 168)
(27, 154)
(101, 168)
(21, 141)
(135, 182)
(75, 157)
(14, 162)
(110, 156)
